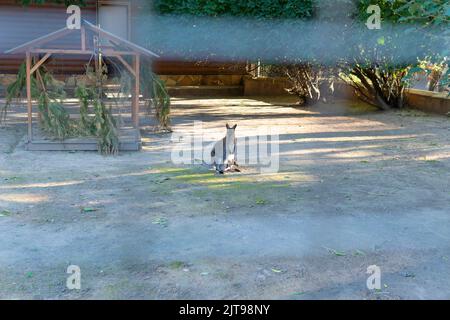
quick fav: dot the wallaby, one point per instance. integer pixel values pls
(223, 154)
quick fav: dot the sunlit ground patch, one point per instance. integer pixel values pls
(206, 189)
(23, 197)
(41, 185)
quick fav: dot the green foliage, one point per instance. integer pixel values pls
(247, 8)
(155, 93)
(436, 72)
(380, 71)
(105, 128)
(311, 82)
(102, 124)
(425, 12)
(85, 95)
(379, 85)
(445, 80)
(389, 9)
(435, 15)
(66, 2)
(15, 90)
(153, 90)
(54, 118)
(377, 68)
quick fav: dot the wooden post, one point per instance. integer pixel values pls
(83, 39)
(39, 63)
(136, 93)
(29, 103)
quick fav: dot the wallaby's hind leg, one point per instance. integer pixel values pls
(233, 168)
(220, 169)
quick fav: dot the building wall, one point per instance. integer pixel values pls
(19, 24)
(428, 101)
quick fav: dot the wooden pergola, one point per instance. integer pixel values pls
(117, 48)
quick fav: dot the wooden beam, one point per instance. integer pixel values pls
(62, 51)
(136, 93)
(83, 39)
(40, 41)
(115, 53)
(40, 62)
(29, 103)
(110, 53)
(130, 69)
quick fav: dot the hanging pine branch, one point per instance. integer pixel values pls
(156, 96)
(102, 124)
(54, 118)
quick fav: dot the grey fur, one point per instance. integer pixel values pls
(224, 152)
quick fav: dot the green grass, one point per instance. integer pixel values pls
(261, 201)
(14, 179)
(432, 161)
(235, 190)
(176, 265)
(163, 222)
(5, 213)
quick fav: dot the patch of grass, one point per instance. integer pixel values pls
(336, 252)
(119, 289)
(261, 201)
(13, 179)
(88, 209)
(359, 253)
(235, 190)
(197, 177)
(240, 186)
(164, 179)
(408, 275)
(176, 265)
(171, 170)
(223, 275)
(412, 113)
(5, 213)
(361, 107)
(163, 222)
(201, 193)
(431, 161)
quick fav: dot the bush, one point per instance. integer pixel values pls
(248, 8)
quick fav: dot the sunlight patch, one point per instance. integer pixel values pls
(23, 197)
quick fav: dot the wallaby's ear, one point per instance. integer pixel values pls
(235, 126)
(228, 126)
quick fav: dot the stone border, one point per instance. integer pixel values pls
(265, 87)
(427, 101)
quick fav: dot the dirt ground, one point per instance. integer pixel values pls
(356, 187)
